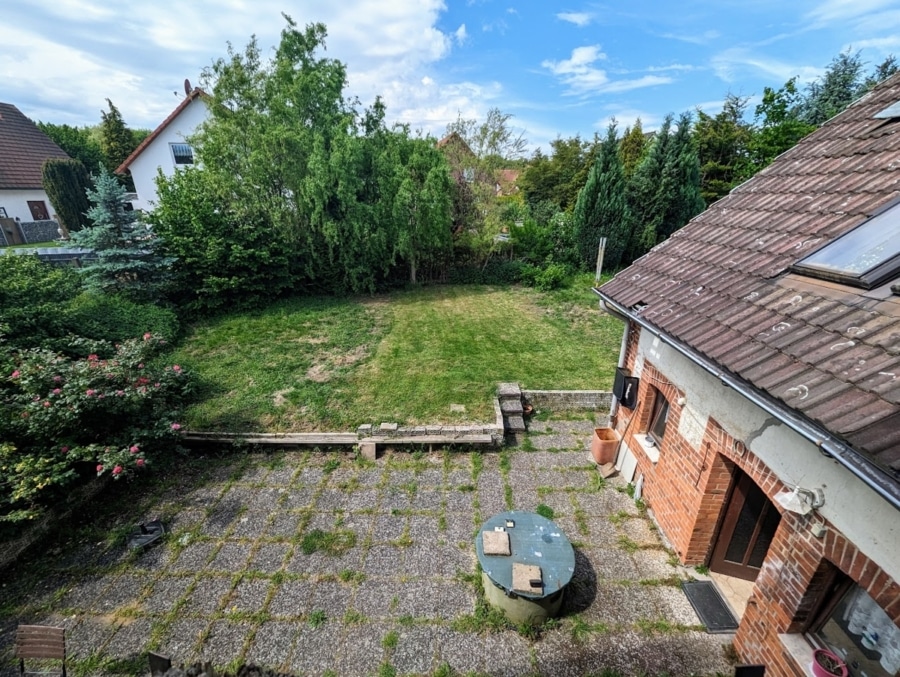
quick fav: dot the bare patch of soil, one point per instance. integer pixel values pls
(279, 399)
(318, 373)
(354, 356)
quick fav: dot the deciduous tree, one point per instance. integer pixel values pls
(78, 143)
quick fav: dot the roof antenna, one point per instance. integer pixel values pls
(187, 87)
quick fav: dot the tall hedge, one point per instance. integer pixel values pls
(66, 183)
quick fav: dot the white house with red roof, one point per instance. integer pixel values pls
(165, 149)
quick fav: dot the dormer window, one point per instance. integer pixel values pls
(182, 153)
(867, 256)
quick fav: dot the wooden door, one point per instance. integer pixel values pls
(38, 210)
(747, 531)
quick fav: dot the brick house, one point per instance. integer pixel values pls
(765, 337)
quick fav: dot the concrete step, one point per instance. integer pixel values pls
(509, 407)
(514, 424)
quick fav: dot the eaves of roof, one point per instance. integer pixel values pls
(185, 102)
(722, 287)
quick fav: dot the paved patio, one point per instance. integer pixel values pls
(398, 591)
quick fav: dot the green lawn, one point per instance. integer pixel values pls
(34, 245)
(327, 364)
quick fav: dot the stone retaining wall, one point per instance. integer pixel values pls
(569, 400)
(390, 431)
(39, 231)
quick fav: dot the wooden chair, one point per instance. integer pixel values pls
(40, 642)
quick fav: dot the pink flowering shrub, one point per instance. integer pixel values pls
(61, 413)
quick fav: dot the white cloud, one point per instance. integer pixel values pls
(884, 45)
(694, 38)
(730, 64)
(582, 77)
(580, 61)
(837, 11)
(137, 54)
(578, 18)
(878, 22)
(461, 35)
(626, 117)
(672, 67)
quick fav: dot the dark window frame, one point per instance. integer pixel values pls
(180, 158)
(838, 587)
(659, 417)
(869, 278)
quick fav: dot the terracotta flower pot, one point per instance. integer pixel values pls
(827, 664)
(604, 445)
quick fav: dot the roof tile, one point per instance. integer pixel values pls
(24, 148)
(722, 285)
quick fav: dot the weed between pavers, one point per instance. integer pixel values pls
(350, 576)
(387, 670)
(389, 641)
(581, 522)
(316, 618)
(332, 543)
(477, 465)
(354, 617)
(627, 544)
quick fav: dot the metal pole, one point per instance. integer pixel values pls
(600, 252)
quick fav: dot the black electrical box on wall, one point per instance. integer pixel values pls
(625, 388)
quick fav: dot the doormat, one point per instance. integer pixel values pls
(710, 607)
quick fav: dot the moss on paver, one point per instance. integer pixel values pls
(317, 562)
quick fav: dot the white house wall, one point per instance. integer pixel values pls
(15, 202)
(158, 155)
(852, 507)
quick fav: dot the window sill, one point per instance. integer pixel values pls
(801, 651)
(646, 442)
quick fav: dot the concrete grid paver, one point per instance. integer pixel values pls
(232, 582)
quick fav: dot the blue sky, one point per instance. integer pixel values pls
(559, 68)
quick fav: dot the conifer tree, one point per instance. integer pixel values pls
(126, 259)
(632, 148)
(66, 183)
(681, 181)
(116, 140)
(646, 201)
(664, 192)
(600, 209)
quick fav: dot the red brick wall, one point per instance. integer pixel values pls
(790, 586)
(687, 489)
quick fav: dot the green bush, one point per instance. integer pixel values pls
(495, 271)
(58, 413)
(222, 260)
(550, 277)
(32, 296)
(554, 276)
(115, 319)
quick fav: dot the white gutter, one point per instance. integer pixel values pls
(874, 477)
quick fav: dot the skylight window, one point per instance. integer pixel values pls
(867, 256)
